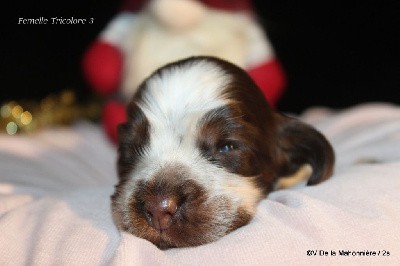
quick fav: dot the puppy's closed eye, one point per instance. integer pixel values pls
(200, 149)
(133, 140)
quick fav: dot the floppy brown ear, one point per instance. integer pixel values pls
(300, 144)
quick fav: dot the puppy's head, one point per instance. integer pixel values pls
(200, 149)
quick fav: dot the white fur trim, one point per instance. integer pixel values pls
(235, 37)
(219, 34)
(118, 29)
(177, 14)
(260, 49)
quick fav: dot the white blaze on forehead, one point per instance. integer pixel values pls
(174, 101)
(180, 90)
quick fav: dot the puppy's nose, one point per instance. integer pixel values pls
(160, 212)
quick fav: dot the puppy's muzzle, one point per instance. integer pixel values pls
(172, 209)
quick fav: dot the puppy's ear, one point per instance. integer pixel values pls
(300, 144)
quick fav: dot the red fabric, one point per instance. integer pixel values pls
(133, 5)
(102, 67)
(271, 79)
(229, 5)
(114, 114)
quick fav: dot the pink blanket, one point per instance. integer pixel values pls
(55, 207)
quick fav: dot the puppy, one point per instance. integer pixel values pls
(201, 147)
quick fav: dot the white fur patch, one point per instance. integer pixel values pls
(174, 102)
(184, 90)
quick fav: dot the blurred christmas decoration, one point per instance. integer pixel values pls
(54, 110)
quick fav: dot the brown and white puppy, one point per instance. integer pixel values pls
(200, 149)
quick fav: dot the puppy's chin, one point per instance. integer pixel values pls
(197, 217)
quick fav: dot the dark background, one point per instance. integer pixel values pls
(334, 54)
(40, 59)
